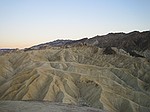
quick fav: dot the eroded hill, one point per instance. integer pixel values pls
(80, 75)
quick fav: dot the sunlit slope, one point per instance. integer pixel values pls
(80, 75)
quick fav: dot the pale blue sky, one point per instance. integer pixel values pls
(24, 23)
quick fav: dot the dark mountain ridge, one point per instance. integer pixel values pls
(130, 42)
(135, 40)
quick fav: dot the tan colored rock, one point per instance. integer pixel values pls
(79, 75)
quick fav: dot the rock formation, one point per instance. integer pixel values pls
(79, 75)
(108, 51)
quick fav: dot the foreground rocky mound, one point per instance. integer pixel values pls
(80, 75)
(40, 106)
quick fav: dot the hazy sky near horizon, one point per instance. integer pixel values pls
(24, 23)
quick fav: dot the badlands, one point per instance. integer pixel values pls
(109, 73)
(80, 75)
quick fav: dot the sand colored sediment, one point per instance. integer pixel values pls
(78, 75)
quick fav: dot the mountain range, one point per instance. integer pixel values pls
(135, 43)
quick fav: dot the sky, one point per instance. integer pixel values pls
(24, 23)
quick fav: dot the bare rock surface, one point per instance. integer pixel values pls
(80, 75)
